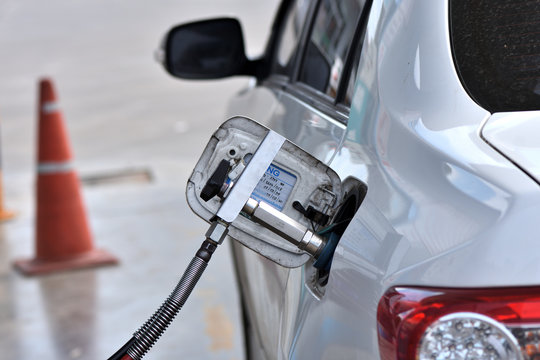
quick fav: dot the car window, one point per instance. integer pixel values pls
(496, 46)
(289, 39)
(328, 45)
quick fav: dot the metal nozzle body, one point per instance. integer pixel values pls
(281, 224)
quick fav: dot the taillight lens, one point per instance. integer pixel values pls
(466, 335)
(431, 323)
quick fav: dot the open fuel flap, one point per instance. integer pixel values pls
(296, 193)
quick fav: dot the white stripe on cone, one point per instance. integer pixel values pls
(50, 107)
(54, 167)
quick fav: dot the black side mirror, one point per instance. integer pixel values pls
(208, 49)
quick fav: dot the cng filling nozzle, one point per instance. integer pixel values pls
(237, 200)
(220, 182)
(234, 181)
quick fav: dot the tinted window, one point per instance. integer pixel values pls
(496, 46)
(287, 43)
(329, 43)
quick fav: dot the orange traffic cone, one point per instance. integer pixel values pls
(4, 214)
(63, 238)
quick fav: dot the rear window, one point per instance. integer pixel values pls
(496, 46)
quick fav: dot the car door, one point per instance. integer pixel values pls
(307, 99)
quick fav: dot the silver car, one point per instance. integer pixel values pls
(429, 113)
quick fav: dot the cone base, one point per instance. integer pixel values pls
(6, 215)
(93, 258)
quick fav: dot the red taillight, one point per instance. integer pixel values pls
(404, 315)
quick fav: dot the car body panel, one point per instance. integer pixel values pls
(265, 283)
(435, 191)
(515, 135)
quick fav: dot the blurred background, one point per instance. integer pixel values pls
(136, 134)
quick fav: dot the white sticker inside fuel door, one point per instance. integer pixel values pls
(274, 187)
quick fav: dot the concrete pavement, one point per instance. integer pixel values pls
(124, 113)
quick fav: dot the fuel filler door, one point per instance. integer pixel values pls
(296, 196)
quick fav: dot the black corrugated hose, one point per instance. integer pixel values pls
(156, 325)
